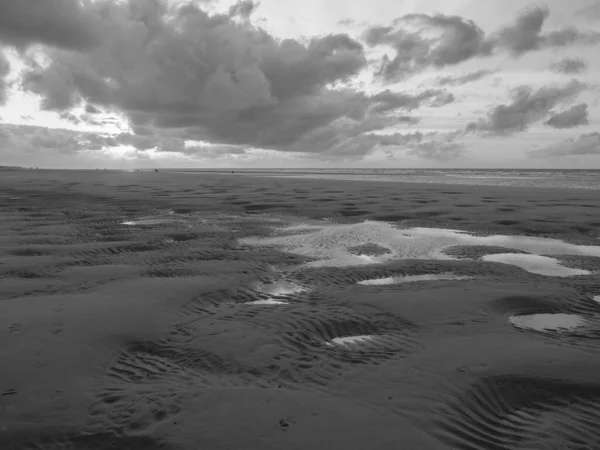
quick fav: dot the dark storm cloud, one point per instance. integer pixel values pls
(573, 117)
(527, 106)
(569, 66)
(4, 71)
(463, 79)
(182, 71)
(422, 41)
(60, 23)
(55, 86)
(586, 144)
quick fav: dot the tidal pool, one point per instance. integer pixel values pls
(548, 322)
(335, 244)
(413, 278)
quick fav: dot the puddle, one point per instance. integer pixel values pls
(333, 244)
(277, 290)
(350, 340)
(413, 278)
(548, 322)
(280, 288)
(269, 301)
(148, 222)
(542, 265)
(597, 298)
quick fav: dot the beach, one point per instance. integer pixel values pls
(146, 310)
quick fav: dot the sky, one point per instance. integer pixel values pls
(125, 84)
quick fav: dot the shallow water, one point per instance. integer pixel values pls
(542, 265)
(280, 288)
(548, 322)
(331, 245)
(413, 278)
(350, 340)
(550, 179)
(269, 301)
(148, 222)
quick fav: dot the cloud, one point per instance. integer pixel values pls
(438, 150)
(60, 23)
(36, 140)
(387, 100)
(409, 120)
(346, 22)
(527, 106)
(422, 41)
(70, 117)
(4, 71)
(31, 139)
(569, 66)
(91, 109)
(463, 79)
(243, 8)
(526, 34)
(182, 71)
(591, 11)
(586, 144)
(432, 145)
(573, 117)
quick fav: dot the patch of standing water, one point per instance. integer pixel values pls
(548, 322)
(413, 278)
(349, 340)
(277, 291)
(269, 301)
(329, 244)
(280, 288)
(147, 222)
(597, 298)
(542, 265)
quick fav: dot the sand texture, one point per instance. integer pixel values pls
(143, 310)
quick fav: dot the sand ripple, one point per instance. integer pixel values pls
(500, 413)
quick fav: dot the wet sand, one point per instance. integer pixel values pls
(143, 310)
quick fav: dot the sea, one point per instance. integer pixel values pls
(532, 178)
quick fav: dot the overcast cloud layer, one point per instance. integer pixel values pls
(172, 72)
